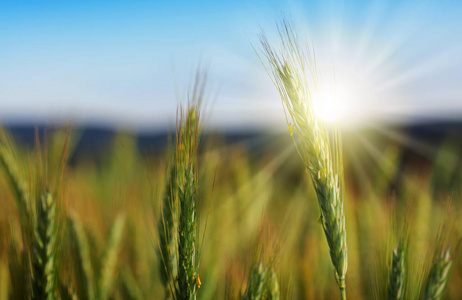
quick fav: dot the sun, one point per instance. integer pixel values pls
(331, 105)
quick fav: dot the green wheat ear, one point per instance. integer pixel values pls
(19, 271)
(85, 283)
(263, 283)
(16, 177)
(130, 287)
(44, 249)
(186, 170)
(68, 292)
(186, 164)
(167, 232)
(187, 266)
(19, 263)
(397, 274)
(295, 76)
(439, 276)
(110, 259)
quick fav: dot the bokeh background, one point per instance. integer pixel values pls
(115, 71)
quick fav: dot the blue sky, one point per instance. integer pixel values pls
(124, 62)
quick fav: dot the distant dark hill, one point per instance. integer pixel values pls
(94, 141)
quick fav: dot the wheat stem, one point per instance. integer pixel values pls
(295, 75)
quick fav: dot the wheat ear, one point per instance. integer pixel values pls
(263, 283)
(67, 291)
(397, 274)
(86, 288)
(186, 147)
(439, 276)
(295, 75)
(19, 271)
(110, 259)
(44, 249)
(10, 163)
(167, 230)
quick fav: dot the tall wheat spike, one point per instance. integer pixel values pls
(188, 131)
(188, 262)
(130, 286)
(44, 249)
(263, 283)
(67, 292)
(295, 76)
(12, 167)
(110, 259)
(187, 270)
(86, 284)
(439, 276)
(167, 231)
(4, 284)
(19, 272)
(19, 262)
(397, 274)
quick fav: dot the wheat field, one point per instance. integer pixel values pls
(260, 209)
(302, 215)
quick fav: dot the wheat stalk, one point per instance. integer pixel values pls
(19, 262)
(130, 285)
(263, 283)
(295, 75)
(186, 168)
(167, 230)
(68, 292)
(187, 267)
(12, 167)
(4, 284)
(110, 259)
(439, 276)
(397, 274)
(188, 262)
(19, 271)
(44, 249)
(87, 287)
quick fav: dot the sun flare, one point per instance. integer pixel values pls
(332, 105)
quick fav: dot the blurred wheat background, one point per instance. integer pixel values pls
(117, 184)
(253, 195)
